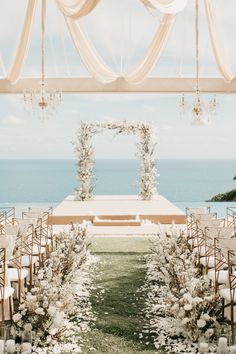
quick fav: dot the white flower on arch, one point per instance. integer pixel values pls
(85, 152)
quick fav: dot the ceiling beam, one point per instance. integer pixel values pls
(150, 85)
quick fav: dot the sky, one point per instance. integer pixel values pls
(121, 31)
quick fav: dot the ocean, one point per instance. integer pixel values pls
(47, 182)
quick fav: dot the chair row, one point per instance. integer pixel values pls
(213, 240)
(24, 245)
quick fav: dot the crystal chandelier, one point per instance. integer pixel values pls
(200, 111)
(43, 101)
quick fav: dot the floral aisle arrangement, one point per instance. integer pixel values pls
(181, 307)
(146, 149)
(58, 309)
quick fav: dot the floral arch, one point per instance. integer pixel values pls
(145, 151)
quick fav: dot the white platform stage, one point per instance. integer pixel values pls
(113, 210)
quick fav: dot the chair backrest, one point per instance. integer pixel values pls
(201, 210)
(12, 229)
(6, 215)
(231, 217)
(191, 219)
(210, 223)
(231, 274)
(16, 258)
(204, 217)
(226, 245)
(2, 271)
(221, 232)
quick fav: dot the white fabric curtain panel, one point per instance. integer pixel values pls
(73, 10)
(95, 64)
(218, 48)
(88, 54)
(154, 51)
(23, 45)
(166, 6)
(76, 9)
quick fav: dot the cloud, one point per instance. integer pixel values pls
(151, 109)
(12, 121)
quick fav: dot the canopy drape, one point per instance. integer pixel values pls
(88, 54)
(90, 57)
(154, 51)
(23, 45)
(218, 48)
(73, 10)
(166, 6)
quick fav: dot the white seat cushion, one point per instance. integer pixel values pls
(221, 276)
(225, 294)
(26, 260)
(37, 250)
(208, 261)
(44, 242)
(13, 274)
(6, 292)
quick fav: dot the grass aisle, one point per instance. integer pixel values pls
(120, 273)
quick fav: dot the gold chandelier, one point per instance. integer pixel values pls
(201, 112)
(43, 101)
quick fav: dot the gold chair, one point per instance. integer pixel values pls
(15, 272)
(228, 294)
(6, 292)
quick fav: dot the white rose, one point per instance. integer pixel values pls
(185, 321)
(40, 311)
(28, 327)
(17, 317)
(45, 304)
(188, 307)
(206, 317)
(22, 307)
(52, 310)
(209, 332)
(59, 304)
(201, 323)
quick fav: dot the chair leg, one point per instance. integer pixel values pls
(47, 250)
(3, 312)
(19, 289)
(10, 309)
(223, 309)
(31, 275)
(232, 320)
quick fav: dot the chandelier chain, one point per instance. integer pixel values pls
(197, 42)
(199, 110)
(43, 15)
(43, 100)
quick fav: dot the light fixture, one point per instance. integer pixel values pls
(200, 111)
(45, 100)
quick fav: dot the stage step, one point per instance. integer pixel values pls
(101, 221)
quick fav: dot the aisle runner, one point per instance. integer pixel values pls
(117, 299)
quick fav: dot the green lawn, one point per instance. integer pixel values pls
(121, 272)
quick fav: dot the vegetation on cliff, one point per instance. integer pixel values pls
(224, 197)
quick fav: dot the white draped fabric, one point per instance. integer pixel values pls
(75, 9)
(72, 11)
(166, 6)
(23, 45)
(217, 46)
(154, 51)
(89, 56)
(92, 60)
(2, 66)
